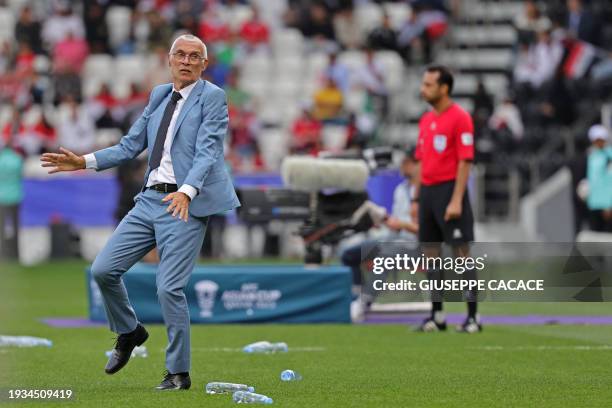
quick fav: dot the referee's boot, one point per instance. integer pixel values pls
(434, 323)
(179, 381)
(470, 326)
(124, 346)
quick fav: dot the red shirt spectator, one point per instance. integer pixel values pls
(70, 54)
(214, 30)
(306, 132)
(255, 31)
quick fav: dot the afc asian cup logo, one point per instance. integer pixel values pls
(206, 292)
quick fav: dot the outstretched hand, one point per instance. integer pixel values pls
(64, 161)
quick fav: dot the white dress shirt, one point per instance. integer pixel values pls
(165, 172)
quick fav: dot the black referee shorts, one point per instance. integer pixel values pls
(433, 201)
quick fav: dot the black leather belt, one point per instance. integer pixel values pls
(164, 188)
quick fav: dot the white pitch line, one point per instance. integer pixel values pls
(239, 350)
(542, 348)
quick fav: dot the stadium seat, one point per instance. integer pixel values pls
(289, 67)
(17, 5)
(91, 86)
(32, 115)
(129, 68)
(120, 88)
(353, 60)
(42, 64)
(398, 13)
(287, 42)
(466, 103)
(256, 66)
(273, 143)
(393, 68)
(6, 112)
(107, 137)
(236, 15)
(118, 19)
(354, 100)
(99, 66)
(369, 16)
(334, 137)
(7, 24)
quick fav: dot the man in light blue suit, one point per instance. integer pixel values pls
(183, 127)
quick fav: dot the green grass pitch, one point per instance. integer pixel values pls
(342, 365)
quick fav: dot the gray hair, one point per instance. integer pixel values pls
(190, 37)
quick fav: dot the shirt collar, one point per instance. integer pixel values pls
(186, 90)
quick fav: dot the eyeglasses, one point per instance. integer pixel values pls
(193, 58)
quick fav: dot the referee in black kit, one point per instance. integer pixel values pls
(445, 150)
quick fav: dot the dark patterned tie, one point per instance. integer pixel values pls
(158, 149)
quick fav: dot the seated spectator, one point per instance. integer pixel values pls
(243, 131)
(63, 22)
(306, 133)
(32, 139)
(528, 22)
(383, 37)
(483, 108)
(538, 62)
(160, 30)
(216, 72)
(328, 102)
(76, 131)
(24, 60)
(27, 30)
(236, 97)
(254, 33)
(557, 103)
(371, 78)
(599, 177)
(507, 118)
(582, 23)
(410, 35)
(337, 71)
(66, 84)
(347, 29)
(213, 28)
(70, 54)
(318, 25)
(96, 32)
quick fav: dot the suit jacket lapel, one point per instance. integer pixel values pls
(193, 98)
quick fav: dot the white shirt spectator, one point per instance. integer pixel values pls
(76, 131)
(57, 27)
(507, 114)
(538, 64)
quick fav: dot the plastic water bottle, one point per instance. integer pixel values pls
(139, 351)
(266, 347)
(245, 397)
(226, 388)
(290, 375)
(24, 341)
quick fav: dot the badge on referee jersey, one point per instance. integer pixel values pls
(467, 139)
(439, 143)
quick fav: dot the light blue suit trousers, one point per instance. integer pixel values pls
(149, 224)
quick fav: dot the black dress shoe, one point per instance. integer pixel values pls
(123, 349)
(180, 381)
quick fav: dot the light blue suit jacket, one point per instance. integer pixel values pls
(197, 147)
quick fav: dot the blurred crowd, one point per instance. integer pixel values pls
(562, 72)
(48, 98)
(78, 73)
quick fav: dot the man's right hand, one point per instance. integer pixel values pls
(64, 161)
